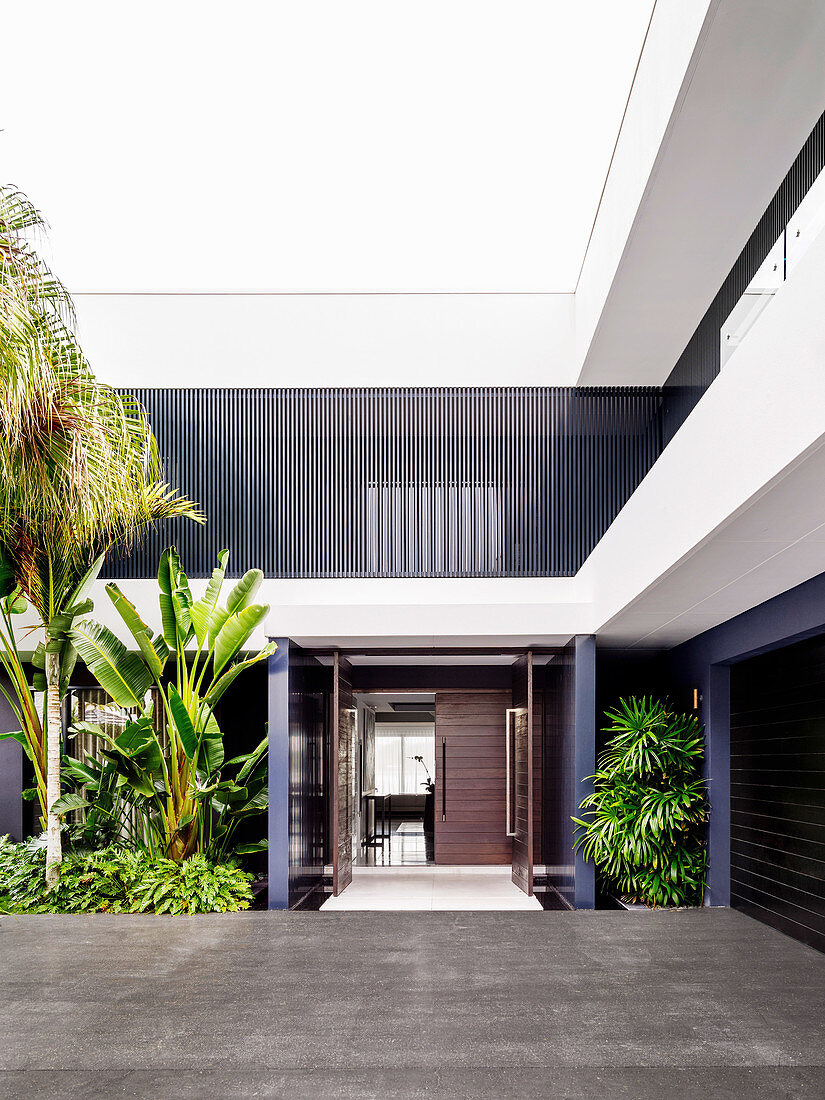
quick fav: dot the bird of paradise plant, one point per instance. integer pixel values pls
(191, 799)
(79, 473)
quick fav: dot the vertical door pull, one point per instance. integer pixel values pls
(443, 778)
(508, 735)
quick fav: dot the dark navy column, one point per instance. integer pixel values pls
(584, 754)
(11, 776)
(279, 776)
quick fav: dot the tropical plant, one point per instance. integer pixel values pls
(20, 698)
(79, 472)
(177, 795)
(118, 880)
(645, 820)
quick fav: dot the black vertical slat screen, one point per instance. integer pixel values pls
(398, 482)
(777, 789)
(700, 362)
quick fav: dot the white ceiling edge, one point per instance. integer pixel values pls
(732, 513)
(688, 186)
(283, 340)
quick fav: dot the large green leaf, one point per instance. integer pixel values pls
(202, 610)
(15, 735)
(168, 566)
(182, 604)
(220, 685)
(68, 803)
(155, 657)
(78, 595)
(68, 659)
(236, 631)
(120, 673)
(183, 723)
(139, 741)
(212, 744)
(219, 617)
(253, 758)
(244, 591)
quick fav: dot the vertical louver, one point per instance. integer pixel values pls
(399, 482)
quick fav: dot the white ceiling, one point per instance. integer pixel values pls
(458, 145)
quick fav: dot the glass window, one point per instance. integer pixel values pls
(396, 769)
(804, 226)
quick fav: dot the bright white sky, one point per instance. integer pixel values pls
(316, 144)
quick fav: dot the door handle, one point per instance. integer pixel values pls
(443, 778)
(509, 712)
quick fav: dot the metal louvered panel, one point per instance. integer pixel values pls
(699, 363)
(505, 482)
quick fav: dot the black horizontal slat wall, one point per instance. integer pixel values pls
(499, 482)
(700, 362)
(778, 789)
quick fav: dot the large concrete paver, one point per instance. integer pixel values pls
(413, 1004)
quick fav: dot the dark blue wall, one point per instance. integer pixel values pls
(11, 777)
(705, 662)
(298, 704)
(569, 756)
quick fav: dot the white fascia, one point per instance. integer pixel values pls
(725, 95)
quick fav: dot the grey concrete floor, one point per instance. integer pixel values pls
(694, 1004)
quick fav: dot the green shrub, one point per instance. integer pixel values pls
(116, 880)
(644, 824)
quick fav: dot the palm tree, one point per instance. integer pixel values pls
(79, 468)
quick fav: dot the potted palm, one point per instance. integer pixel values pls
(644, 824)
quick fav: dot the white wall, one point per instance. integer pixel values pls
(670, 44)
(329, 339)
(725, 96)
(732, 512)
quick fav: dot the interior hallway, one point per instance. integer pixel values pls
(456, 889)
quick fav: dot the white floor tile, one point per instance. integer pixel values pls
(431, 888)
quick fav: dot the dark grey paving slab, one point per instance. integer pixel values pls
(567, 1084)
(703, 1003)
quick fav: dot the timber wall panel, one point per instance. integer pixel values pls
(475, 829)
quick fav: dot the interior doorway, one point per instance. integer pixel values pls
(395, 779)
(514, 737)
(436, 768)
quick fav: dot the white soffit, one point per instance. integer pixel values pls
(669, 231)
(733, 512)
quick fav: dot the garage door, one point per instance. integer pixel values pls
(778, 790)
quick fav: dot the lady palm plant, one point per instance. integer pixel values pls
(186, 796)
(644, 823)
(79, 472)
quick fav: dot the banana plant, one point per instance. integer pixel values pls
(190, 801)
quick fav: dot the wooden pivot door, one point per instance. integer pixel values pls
(470, 767)
(343, 774)
(520, 772)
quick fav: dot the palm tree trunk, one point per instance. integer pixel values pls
(54, 738)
